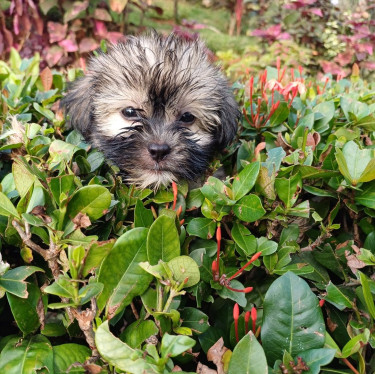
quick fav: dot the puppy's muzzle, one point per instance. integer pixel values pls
(159, 152)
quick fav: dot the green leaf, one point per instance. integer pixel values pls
(174, 345)
(369, 299)
(142, 217)
(249, 208)
(336, 297)
(119, 354)
(292, 318)
(315, 358)
(202, 227)
(311, 172)
(245, 180)
(288, 189)
(7, 209)
(93, 200)
(356, 165)
(184, 267)
(356, 343)
(237, 297)
(195, 319)
(27, 356)
(60, 151)
(95, 255)
(217, 192)
(61, 184)
(120, 272)
(86, 293)
(65, 355)
(163, 242)
(25, 310)
(327, 109)
(243, 238)
(280, 114)
(63, 287)
(248, 357)
(367, 196)
(13, 281)
(137, 332)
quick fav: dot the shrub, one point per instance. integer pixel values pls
(145, 281)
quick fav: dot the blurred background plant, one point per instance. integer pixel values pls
(321, 35)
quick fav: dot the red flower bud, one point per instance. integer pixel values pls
(247, 318)
(254, 318)
(175, 191)
(236, 314)
(321, 302)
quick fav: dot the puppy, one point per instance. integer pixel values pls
(156, 107)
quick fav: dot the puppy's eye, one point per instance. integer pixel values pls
(187, 117)
(129, 112)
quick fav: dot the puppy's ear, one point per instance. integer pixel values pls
(78, 104)
(229, 117)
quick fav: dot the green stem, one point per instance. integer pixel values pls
(159, 293)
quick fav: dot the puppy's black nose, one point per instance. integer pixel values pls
(158, 151)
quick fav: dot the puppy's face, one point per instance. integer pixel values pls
(156, 107)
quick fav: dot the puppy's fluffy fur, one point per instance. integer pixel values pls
(156, 107)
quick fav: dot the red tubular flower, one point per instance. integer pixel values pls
(236, 314)
(245, 290)
(321, 302)
(300, 72)
(325, 84)
(247, 318)
(182, 222)
(179, 211)
(254, 318)
(174, 188)
(218, 239)
(254, 258)
(282, 75)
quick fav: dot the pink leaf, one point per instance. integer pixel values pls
(53, 55)
(69, 44)
(16, 27)
(114, 36)
(100, 29)
(75, 9)
(365, 47)
(333, 68)
(87, 45)
(316, 11)
(102, 15)
(56, 31)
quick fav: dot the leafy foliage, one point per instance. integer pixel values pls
(154, 280)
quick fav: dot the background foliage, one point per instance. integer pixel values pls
(270, 270)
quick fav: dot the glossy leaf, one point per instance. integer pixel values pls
(248, 357)
(119, 354)
(249, 208)
(92, 200)
(27, 356)
(293, 322)
(120, 272)
(65, 355)
(245, 180)
(163, 242)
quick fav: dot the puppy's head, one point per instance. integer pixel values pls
(156, 107)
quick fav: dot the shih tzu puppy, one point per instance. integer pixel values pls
(156, 107)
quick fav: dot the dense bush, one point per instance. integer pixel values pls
(270, 270)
